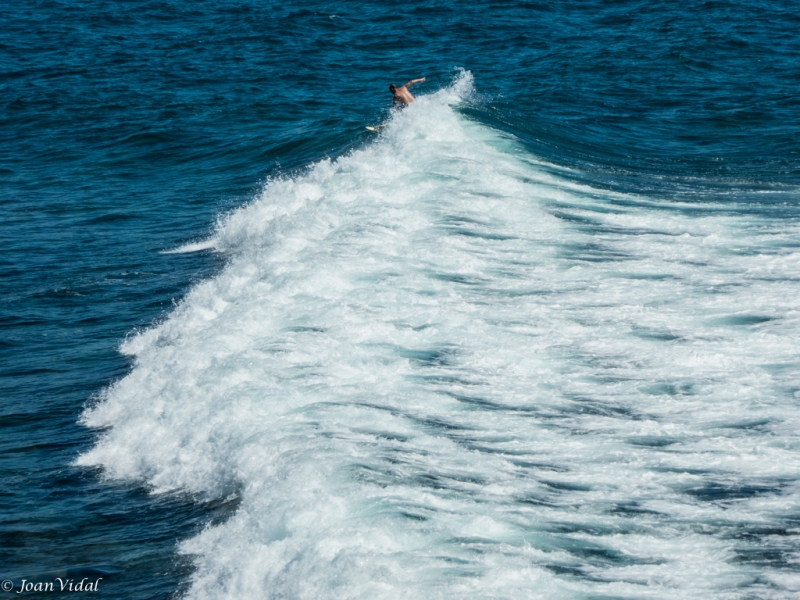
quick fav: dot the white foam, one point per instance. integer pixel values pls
(193, 247)
(432, 369)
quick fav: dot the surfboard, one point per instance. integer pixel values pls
(375, 127)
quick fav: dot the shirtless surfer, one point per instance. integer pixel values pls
(401, 95)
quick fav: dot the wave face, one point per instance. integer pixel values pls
(437, 367)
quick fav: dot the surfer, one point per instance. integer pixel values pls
(401, 95)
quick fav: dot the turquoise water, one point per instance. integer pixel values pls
(535, 339)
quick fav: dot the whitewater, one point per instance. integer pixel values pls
(439, 367)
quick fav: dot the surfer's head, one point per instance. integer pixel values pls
(392, 88)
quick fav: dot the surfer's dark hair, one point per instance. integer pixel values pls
(392, 88)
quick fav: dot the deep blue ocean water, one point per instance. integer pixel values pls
(538, 338)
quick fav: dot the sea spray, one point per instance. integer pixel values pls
(436, 368)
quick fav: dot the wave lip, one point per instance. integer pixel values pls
(431, 368)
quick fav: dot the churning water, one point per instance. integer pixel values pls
(497, 350)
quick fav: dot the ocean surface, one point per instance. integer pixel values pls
(538, 337)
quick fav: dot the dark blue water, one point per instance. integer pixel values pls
(128, 128)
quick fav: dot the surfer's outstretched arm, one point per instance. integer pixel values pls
(413, 81)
